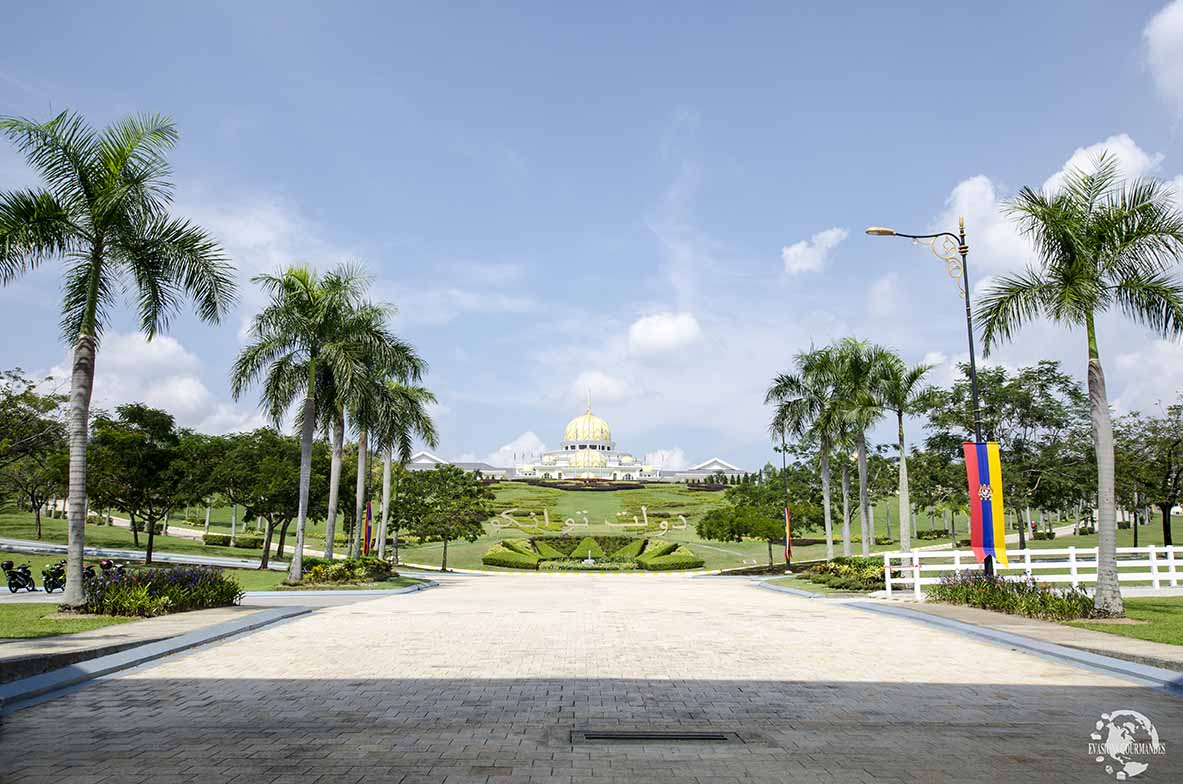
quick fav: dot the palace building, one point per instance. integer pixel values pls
(587, 451)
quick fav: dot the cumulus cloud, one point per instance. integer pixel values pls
(662, 332)
(810, 255)
(1163, 38)
(1153, 373)
(163, 374)
(669, 459)
(1132, 160)
(884, 296)
(524, 448)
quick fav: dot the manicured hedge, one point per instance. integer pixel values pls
(503, 556)
(657, 548)
(546, 550)
(521, 546)
(248, 541)
(156, 591)
(575, 565)
(564, 545)
(630, 550)
(1043, 535)
(220, 540)
(848, 572)
(588, 546)
(366, 569)
(680, 558)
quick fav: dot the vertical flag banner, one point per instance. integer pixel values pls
(369, 519)
(788, 537)
(983, 469)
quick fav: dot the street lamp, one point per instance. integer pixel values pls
(952, 249)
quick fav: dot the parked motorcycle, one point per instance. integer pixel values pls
(53, 577)
(18, 576)
(111, 569)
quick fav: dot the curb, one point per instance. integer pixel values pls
(794, 591)
(376, 592)
(13, 693)
(1169, 681)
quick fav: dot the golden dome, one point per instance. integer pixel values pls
(588, 458)
(587, 427)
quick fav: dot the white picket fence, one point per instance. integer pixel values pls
(1155, 564)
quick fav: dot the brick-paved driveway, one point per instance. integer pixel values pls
(484, 679)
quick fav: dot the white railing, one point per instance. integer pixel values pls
(1155, 564)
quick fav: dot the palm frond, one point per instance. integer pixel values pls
(1155, 300)
(34, 226)
(1009, 304)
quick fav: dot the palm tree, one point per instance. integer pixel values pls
(405, 418)
(313, 322)
(806, 407)
(1102, 243)
(900, 387)
(104, 211)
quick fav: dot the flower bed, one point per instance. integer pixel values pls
(848, 572)
(349, 570)
(156, 591)
(1027, 598)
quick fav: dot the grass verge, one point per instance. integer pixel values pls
(1162, 620)
(26, 621)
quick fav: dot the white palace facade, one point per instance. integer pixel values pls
(587, 451)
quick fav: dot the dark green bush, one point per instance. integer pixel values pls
(564, 545)
(679, 558)
(1124, 525)
(138, 525)
(884, 540)
(518, 546)
(655, 548)
(547, 550)
(630, 550)
(1025, 597)
(1044, 535)
(502, 556)
(248, 541)
(936, 534)
(156, 591)
(221, 540)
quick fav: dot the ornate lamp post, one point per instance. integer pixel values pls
(953, 250)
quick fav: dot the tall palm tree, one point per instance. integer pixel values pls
(806, 408)
(1102, 243)
(900, 387)
(405, 418)
(104, 212)
(312, 322)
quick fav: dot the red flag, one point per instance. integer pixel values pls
(788, 536)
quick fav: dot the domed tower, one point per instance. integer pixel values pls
(588, 433)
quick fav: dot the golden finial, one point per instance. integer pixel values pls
(589, 400)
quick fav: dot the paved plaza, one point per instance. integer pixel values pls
(491, 679)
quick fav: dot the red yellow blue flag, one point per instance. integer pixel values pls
(983, 468)
(788, 536)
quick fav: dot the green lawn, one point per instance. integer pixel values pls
(1164, 616)
(21, 621)
(801, 584)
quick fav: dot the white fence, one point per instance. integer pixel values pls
(1155, 564)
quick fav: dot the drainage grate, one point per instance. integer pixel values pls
(652, 736)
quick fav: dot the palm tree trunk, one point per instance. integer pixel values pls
(845, 507)
(385, 503)
(905, 502)
(81, 387)
(334, 481)
(1107, 598)
(296, 569)
(825, 461)
(359, 519)
(863, 501)
(207, 511)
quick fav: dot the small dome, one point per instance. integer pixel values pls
(627, 460)
(588, 427)
(588, 458)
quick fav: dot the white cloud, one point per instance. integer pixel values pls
(1152, 373)
(810, 255)
(884, 296)
(1163, 37)
(602, 387)
(669, 459)
(662, 332)
(163, 374)
(522, 449)
(1132, 160)
(441, 305)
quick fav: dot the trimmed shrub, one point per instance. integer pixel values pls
(149, 592)
(1043, 535)
(884, 540)
(564, 545)
(853, 572)
(610, 544)
(574, 565)
(934, 534)
(366, 569)
(220, 540)
(500, 555)
(546, 550)
(588, 546)
(521, 546)
(655, 548)
(1025, 597)
(248, 541)
(680, 558)
(630, 550)
(1125, 525)
(138, 525)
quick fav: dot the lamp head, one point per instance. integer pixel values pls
(880, 231)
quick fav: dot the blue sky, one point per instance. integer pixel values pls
(660, 204)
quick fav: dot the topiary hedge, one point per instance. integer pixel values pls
(588, 546)
(521, 546)
(366, 569)
(248, 541)
(563, 545)
(609, 553)
(680, 558)
(575, 565)
(217, 540)
(656, 548)
(501, 555)
(630, 550)
(546, 550)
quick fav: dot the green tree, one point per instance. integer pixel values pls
(736, 523)
(104, 212)
(1149, 452)
(1102, 243)
(405, 418)
(453, 505)
(135, 457)
(314, 322)
(38, 477)
(30, 420)
(199, 458)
